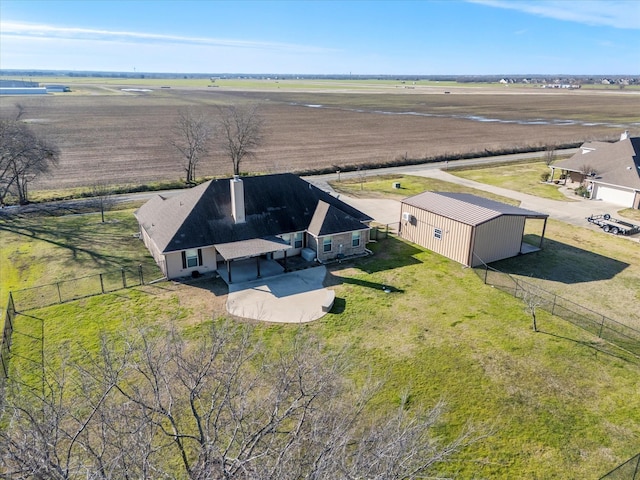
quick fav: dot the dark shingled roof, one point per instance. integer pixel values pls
(274, 204)
(615, 163)
(328, 220)
(467, 208)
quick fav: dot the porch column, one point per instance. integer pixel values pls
(544, 228)
(285, 261)
(258, 264)
(228, 270)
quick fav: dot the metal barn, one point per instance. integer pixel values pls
(466, 228)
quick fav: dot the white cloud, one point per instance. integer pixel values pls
(27, 30)
(611, 13)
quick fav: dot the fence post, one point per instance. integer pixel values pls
(101, 284)
(59, 296)
(386, 231)
(601, 326)
(140, 273)
(124, 278)
(486, 273)
(12, 306)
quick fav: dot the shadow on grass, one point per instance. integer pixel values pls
(339, 305)
(560, 262)
(600, 347)
(332, 280)
(210, 282)
(388, 254)
(76, 238)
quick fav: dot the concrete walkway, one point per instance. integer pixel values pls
(294, 297)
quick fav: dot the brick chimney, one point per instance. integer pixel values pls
(237, 199)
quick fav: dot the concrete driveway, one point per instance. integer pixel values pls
(294, 297)
(573, 211)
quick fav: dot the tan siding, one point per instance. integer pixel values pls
(497, 239)
(153, 249)
(456, 236)
(174, 263)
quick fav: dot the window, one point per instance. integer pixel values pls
(355, 239)
(298, 240)
(327, 243)
(437, 233)
(191, 258)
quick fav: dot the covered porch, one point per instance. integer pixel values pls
(252, 259)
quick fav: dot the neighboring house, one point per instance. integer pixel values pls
(466, 228)
(609, 171)
(270, 217)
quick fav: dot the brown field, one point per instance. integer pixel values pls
(123, 138)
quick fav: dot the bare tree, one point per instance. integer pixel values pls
(155, 405)
(102, 195)
(532, 301)
(240, 132)
(23, 156)
(20, 111)
(549, 154)
(588, 170)
(192, 133)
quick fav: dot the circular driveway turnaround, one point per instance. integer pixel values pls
(294, 297)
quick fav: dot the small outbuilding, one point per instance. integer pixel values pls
(466, 228)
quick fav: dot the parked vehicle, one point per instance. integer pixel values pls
(613, 225)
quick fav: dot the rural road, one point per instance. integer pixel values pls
(574, 211)
(385, 211)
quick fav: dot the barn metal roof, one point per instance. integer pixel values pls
(467, 208)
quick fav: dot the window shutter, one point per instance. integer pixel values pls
(184, 259)
(199, 257)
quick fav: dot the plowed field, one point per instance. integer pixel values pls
(123, 137)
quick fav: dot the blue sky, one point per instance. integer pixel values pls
(324, 37)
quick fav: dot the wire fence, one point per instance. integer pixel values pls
(5, 346)
(66, 291)
(596, 323)
(629, 470)
(76, 288)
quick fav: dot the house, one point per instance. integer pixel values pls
(466, 228)
(267, 218)
(609, 171)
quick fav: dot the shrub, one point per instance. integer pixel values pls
(582, 191)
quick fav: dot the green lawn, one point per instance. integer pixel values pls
(521, 177)
(380, 186)
(554, 404)
(38, 250)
